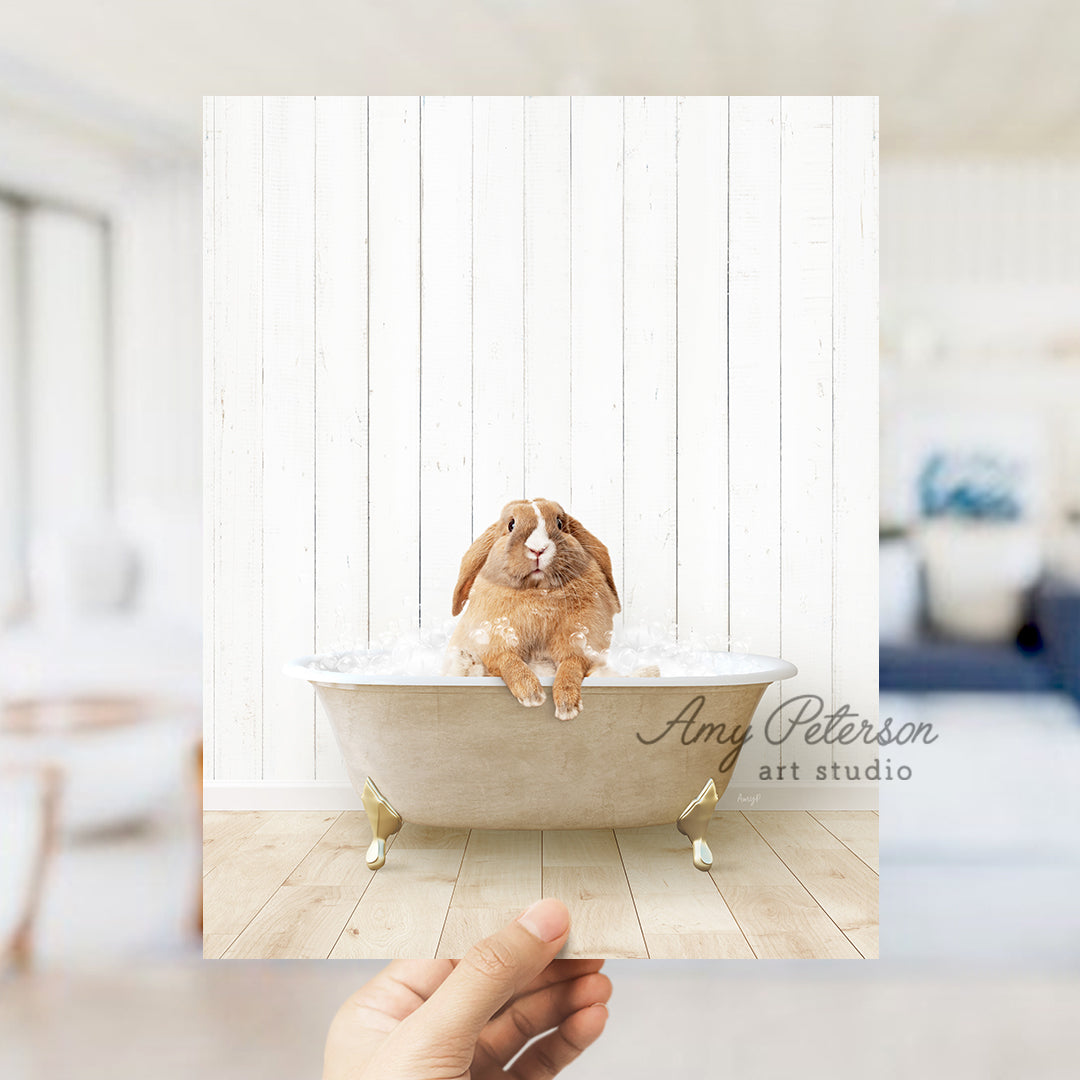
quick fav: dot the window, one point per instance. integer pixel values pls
(56, 459)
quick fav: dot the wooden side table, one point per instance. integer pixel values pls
(42, 787)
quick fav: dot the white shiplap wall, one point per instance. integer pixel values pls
(660, 311)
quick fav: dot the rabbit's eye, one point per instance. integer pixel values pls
(510, 527)
(559, 522)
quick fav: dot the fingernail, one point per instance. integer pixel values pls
(546, 919)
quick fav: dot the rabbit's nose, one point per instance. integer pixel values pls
(537, 553)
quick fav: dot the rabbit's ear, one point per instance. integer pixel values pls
(596, 550)
(473, 563)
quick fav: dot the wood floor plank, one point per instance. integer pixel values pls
(402, 911)
(501, 875)
(236, 888)
(232, 824)
(584, 870)
(856, 829)
(784, 884)
(292, 822)
(740, 856)
(684, 946)
(339, 857)
(792, 829)
(783, 922)
(779, 917)
(865, 939)
(844, 886)
(214, 945)
(225, 832)
(299, 922)
(679, 907)
(215, 852)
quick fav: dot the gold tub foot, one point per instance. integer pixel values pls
(384, 820)
(694, 820)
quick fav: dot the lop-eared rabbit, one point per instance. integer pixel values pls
(540, 592)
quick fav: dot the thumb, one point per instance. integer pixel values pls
(491, 973)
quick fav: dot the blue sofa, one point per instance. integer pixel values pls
(1045, 657)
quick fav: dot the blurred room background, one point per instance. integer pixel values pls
(100, 421)
(100, 478)
(980, 548)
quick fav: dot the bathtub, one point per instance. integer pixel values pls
(461, 752)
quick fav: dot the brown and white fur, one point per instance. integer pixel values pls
(540, 589)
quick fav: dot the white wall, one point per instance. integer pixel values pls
(157, 386)
(67, 380)
(12, 480)
(661, 312)
(980, 272)
(983, 252)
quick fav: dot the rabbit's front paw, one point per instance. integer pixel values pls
(567, 702)
(527, 689)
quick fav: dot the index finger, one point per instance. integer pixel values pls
(558, 971)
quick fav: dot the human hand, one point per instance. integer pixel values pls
(465, 1020)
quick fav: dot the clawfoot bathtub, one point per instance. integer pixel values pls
(461, 752)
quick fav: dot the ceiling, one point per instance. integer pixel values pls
(954, 76)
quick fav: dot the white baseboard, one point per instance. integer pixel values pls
(326, 795)
(280, 795)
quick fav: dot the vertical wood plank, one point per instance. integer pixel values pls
(341, 390)
(806, 410)
(394, 374)
(498, 420)
(650, 384)
(237, 423)
(855, 415)
(596, 322)
(446, 429)
(754, 401)
(547, 298)
(702, 598)
(288, 429)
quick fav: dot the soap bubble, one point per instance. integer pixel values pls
(395, 652)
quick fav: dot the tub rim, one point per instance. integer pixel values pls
(773, 669)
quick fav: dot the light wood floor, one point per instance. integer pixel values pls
(785, 884)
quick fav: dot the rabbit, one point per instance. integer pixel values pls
(540, 592)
